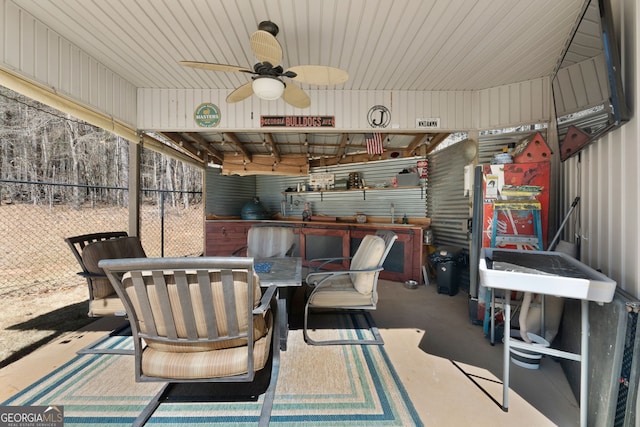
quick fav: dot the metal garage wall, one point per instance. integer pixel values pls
(409, 201)
(43, 56)
(225, 195)
(447, 205)
(172, 109)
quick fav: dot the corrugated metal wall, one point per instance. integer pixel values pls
(607, 178)
(409, 201)
(227, 194)
(43, 56)
(447, 205)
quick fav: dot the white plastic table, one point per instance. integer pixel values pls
(547, 273)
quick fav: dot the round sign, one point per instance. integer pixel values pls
(207, 115)
(379, 116)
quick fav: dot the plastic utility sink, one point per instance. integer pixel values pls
(549, 273)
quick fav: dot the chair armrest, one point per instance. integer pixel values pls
(91, 275)
(238, 251)
(330, 274)
(325, 261)
(265, 301)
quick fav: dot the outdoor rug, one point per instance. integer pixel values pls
(343, 385)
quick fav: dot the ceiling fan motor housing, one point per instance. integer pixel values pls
(269, 27)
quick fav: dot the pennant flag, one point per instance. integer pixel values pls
(374, 143)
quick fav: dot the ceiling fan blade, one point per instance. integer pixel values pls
(295, 96)
(266, 48)
(242, 92)
(319, 75)
(215, 67)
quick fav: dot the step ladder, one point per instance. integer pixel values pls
(533, 206)
(498, 239)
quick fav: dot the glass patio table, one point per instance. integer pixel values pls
(285, 273)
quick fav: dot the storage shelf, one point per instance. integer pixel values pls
(356, 190)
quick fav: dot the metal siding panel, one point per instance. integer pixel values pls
(455, 109)
(225, 195)
(41, 53)
(446, 204)
(372, 202)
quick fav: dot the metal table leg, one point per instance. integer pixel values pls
(582, 358)
(284, 317)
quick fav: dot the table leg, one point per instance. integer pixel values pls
(284, 317)
(506, 356)
(584, 363)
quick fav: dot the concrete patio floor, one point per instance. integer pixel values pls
(451, 372)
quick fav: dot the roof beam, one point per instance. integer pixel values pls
(206, 145)
(435, 141)
(187, 146)
(239, 145)
(342, 146)
(274, 147)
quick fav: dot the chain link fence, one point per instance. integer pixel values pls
(36, 217)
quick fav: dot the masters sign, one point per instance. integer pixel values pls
(207, 115)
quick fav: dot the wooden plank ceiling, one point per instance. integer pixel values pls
(408, 45)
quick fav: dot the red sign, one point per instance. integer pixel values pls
(298, 121)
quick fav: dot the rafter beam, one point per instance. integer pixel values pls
(342, 146)
(186, 145)
(291, 164)
(416, 142)
(206, 145)
(274, 147)
(239, 145)
(435, 141)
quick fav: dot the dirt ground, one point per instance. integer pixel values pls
(27, 323)
(42, 296)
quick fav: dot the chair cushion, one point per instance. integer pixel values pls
(339, 292)
(269, 242)
(367, 256)
(260, 328)
(108, 306)
(206, 364)
(122, 247)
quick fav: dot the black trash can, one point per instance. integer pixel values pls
(447, 261)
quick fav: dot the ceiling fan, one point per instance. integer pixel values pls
(268, 75)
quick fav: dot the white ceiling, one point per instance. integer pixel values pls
(415, 45)
(409, 45)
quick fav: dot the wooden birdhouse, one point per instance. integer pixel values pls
(532, 149)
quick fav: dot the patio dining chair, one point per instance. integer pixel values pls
(196, 321)
(88, 250)
(352, 289)
(269, 242)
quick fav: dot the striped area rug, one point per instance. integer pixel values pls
(349, 385)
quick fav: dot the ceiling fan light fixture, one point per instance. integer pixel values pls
(267, 87)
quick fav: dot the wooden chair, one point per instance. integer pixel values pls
(353, 289)
(203, 320)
